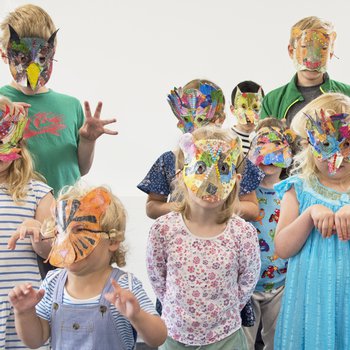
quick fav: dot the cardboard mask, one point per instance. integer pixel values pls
(30, 59)
(272, 147)
(78, 227)
(329, 137)
(210, 166)
(247, 106)
(312, 49)
(196, 107)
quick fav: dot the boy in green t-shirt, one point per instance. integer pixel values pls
(60, 139)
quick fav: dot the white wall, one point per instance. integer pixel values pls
(130, 53)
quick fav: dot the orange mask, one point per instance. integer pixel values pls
(78, 227)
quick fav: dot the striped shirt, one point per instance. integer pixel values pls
(244, 138)
(20, 265)
(126, 281)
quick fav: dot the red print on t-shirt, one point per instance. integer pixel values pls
(42, 123)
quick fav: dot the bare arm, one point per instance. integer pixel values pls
(86, 152)
(157, 205)
(248, 206)
(32, 330)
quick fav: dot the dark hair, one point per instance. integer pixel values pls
(246, 86)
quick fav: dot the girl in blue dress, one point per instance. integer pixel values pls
(314, 231)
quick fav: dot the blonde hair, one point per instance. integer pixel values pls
(230, 205)
(28, 21)
(331, 103)
(20, 172)
(311, 22)
(113, 221)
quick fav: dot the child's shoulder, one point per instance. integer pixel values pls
(283, 186)
(164, 222)
(239, 225)
(51, 279)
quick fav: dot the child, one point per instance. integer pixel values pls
(23, 197)
(246, 99)
(57, 126)
(88, 304)
(199, 103)
(202, 261)
(271, 151)
(313, 231)
(310, 47)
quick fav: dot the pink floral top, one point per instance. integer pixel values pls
(202, 283)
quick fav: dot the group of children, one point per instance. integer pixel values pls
(250, 230)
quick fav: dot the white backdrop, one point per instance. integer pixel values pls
(130, 53)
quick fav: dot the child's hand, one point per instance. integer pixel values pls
(29, 227)
(124, 300)
(24, 298)
(323, 219)
(93, 127)
(342, 223)
(16, 108)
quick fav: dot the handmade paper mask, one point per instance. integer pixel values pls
(195, 108)
(312, 49)
(329, 137)
(272, 147)
(11, 133)
(210, 166)
(247, 106)
(30, 59)
(78, 227)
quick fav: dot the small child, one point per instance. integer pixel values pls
(311, 46)
(203, 261)
(246, 101)
(271, 151)
(313, 231)
(88, 304)
(23, 197)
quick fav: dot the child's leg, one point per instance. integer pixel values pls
(270, 308)
(251, 332)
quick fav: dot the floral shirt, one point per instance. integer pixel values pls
(202, 283)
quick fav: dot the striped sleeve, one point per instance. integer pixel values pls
(40, 190)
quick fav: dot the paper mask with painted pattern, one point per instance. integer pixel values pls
(270, 146)
(312, 49)
(11, 133)
(195, 108)
(30, 59)
(247, 106)
(78, 227)
(210, 166)
(329, 137)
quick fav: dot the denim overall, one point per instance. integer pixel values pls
(87, 327)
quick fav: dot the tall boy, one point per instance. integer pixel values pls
(311, 46)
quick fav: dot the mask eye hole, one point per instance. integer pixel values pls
(326, 144)
(200, 168)
(224, 168)
(42, 59)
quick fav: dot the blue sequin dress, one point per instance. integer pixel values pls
(315, 312)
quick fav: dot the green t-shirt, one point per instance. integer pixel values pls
(52, 134)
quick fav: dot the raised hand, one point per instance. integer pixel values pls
(124, 300)
(342, 222)
(323, 219)
(24, 298)
(29, 227)
(13, 108)
(94, 127)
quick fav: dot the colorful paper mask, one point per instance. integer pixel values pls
(272, 147)
(11, 133)
(312, 49)
(30, 59)
(329, 137)
(210, 166)
(78, 227)
(247, 106)
(195, 108)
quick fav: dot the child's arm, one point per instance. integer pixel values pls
(293, 229)
(157, 205)
(31, 227)
(91, 130)
(32, 330)
(150, 327)
(342, 223)
(248, 206)
(249, 264)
